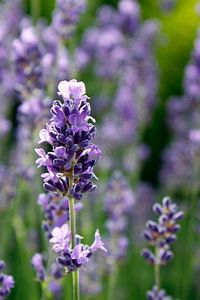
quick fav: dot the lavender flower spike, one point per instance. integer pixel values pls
(69, 165)
(69, 133)
(161, 235)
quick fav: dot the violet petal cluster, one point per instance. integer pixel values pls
(73, 258)
(156, 294)
(6, 283)
(162, 233)
(73, 155)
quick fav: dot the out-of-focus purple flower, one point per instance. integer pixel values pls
(119, 202)
(180, 158)
(66, 16)
(129, 15)
(167, 5)
(156, 294)
(27, 55)
(6, 283)
(194, 135)
(37, 263)
(70, 163)
(7, 186)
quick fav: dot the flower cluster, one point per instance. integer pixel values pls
(73, 258)
(6, 283)
(119, 202)
(156, 294)
(162, 233)
(69, 133)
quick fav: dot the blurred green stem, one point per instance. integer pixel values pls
(111, 283)
(35, 9)
(75, 274)
(157, 270)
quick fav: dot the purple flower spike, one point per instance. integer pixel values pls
(70, 135)
(162, 234)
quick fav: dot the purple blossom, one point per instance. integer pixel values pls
(73, 258)
(60, 238)
(6, 283)
(37, 263)
(98, 244)
(156, 294)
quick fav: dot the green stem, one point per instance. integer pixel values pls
(157, 275)
(157, 270)
(35, 9)
(112, 282)
(75, 274)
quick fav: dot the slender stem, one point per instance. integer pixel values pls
(75, 279)
(157, 275)
(112, 282)
(35, 9)
(157, 271)
(72, 221)
(75, 274)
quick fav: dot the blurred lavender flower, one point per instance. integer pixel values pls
(181, 158)
(27, 55)
(167, 5)
(119, 203)
(156, 294)
(37, 263)
(7, 186)
(6, 283)
(66, 16)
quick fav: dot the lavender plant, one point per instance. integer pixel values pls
(160, 235)
(70, 170)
